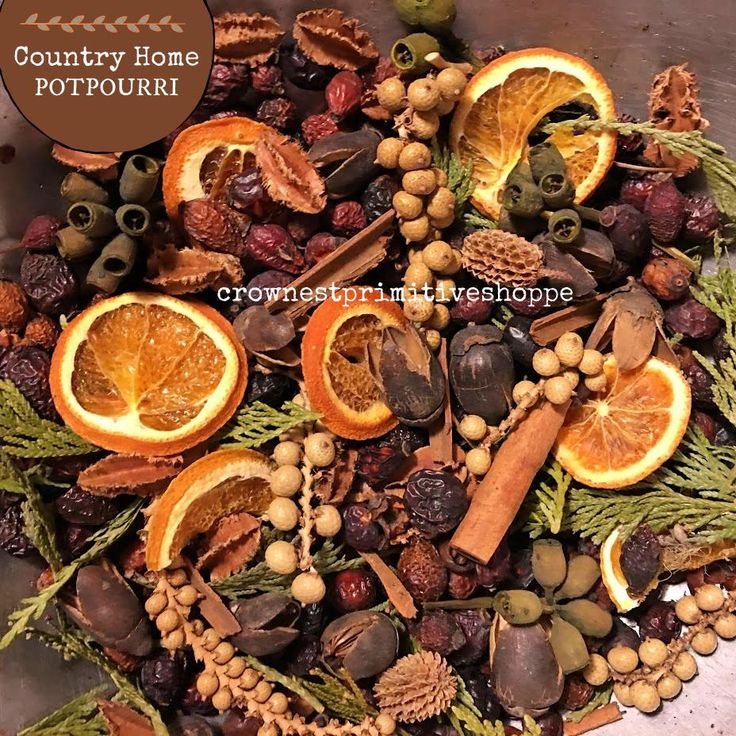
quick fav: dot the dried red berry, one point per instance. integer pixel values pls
(700, 381)
(247, 194)
(347, 218)
(576, 693)
(667, 278)
(692, 319)
(49, 282)
(13, 306)
(321, 245)
(271, 246)
(439, 632)
(702, 218)
(267, 79)
(665, 211)
(212, 225)
(640, 558)
(467, 309)
(226, 81)
(279, 113)
(627, 229)
(302, 226)
(41, 233)
(636, 191)
(359, 529)
(422, 572)
(461, 585)
(706, 424)
(319, 126)
(353, 590)
(344, 93)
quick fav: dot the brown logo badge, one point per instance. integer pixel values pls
(105, 75)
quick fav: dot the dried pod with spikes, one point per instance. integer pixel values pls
(419, 686)
(242, 38)
(498, 257)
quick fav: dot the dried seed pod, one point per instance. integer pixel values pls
(545, 158)
(549, 565)
(564, 226)
(412, 378)
(528, 678)
(327, 37)
(627, 228)
(582, 574)
(422, 571)
(482, 372)
(242, 38)
(587, 617)
(409, 54)
(498, 257)
(518, 607)
(595, 251)
(665, 211)
(364, 642)
(267, 623)
(569, 646)
(523, 199)
(557, 190)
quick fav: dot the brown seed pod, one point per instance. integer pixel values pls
(327, 37)
(243, 38)
(268, 624)
(498, 257)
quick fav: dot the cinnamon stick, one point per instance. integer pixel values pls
(397, 594)
(353, 259)
(440, 433)
(602, 716)
(499, 496)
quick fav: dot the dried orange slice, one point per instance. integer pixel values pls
(618, 437)
(147, 373)
(221, 483)
(504, 102)
(335, 365)
(205, 156)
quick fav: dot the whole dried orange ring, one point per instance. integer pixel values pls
(203, 157)
(221, 483)
(506, 100)
(337, 376)
(618, 437)
(148, 373)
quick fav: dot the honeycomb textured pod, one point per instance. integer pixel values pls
(419, 686)
(498, 257)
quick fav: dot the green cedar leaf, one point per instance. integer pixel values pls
(257, 423)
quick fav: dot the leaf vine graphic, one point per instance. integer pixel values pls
(101, 22)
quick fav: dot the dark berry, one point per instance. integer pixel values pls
(226, 82)
(303, 72)
(521, 575)
(665, 211)
(12, 535)
(270, 388)
(498, 568)
(247, 194)
(701, 218)
(260, 288)
(72, 539)
(667, 278)
(516, 336)
(318, 126)
(439, 632)
(28, 368)
(692, 319)
(303, 656)
(627, 230)
(49, 283)
(278, 112)
(240, 723)
(41, 233)
(347, 218)
(480, 689)
(378, 197)
(721, 349)
(379, 461)
(302, 227)
(321, 245)
(436, 501)
(706, 424)
(640, 558)
(530, 305)
(271, 246)
(360, 531)
(701, 382)
(163, 679)
(636, 191)
(312, 619)
(476, 626)
(468, 309)
(353, 590)
(550, 724)
(462, 585)
(660, 621)
(622, 635)
(267, 79)
(190, 726)
(80, 507)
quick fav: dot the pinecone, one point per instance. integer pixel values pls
(419, 686)
(498, 257)
(42, 332)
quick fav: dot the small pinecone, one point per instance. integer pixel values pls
(279, 113)
(498, 257)
(419, 686)
(421, 570)
(42, 332)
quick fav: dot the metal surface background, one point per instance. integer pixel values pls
(629, 41)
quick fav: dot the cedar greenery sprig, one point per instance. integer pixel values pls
(476, 219)
(340, 696)
(32, 608)
(545, 505)
(78, 717)
(72, 645)
(459, 178)
(718, 167)
(602, 696)
(24, 434)
(257, 423)
(38, 522)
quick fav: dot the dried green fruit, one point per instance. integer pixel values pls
(519, 607)
(587, 617)
(569, 646)
(544, 159)
(549, 566)
(582, 574)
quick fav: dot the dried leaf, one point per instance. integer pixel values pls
(122, 720)
(332, 484)
(290, 178)
(674, 104)
(232, 543)
(243, 38)
(103, 166)
(326, 36)
(191, 270)
(115, 475)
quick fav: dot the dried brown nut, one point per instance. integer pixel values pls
(438, 631)
(213, 226)
(192, 270)
(14, 309)
(243, 38)
(260, 331)
(498, 257)
(422, 572)
(412, 378)
(109, 611)
(327, 37)
(667, 278)
(577, 692)
(289, 176)
(595, 251)
(267, 624)
(364, 642)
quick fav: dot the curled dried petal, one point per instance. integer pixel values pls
(103, 166)
(289, 176)
(327, 37)
(243, 38)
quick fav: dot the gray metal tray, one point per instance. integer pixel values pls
(629, 41)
